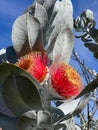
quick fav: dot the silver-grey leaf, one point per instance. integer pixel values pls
(70, 124)
(19, 33)
(69, 106)
(32, 120)
(48, 3)
(39, 1)
(63, 12)
(24, 33)
(63, 46)
(41, 15)
(44, 120)
(82, 104)
(28, 121)
(39, 12)
(33, 29)
(77, 127)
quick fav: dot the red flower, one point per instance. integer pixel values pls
(34, 63)
(65, 80)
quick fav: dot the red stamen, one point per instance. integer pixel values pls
(35, 64)
(65, 80)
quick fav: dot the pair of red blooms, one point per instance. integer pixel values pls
(63, 78)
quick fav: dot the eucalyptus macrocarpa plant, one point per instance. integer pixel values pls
(39, 74)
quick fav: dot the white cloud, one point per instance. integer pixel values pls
(2, 51)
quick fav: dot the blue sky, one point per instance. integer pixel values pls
(11, 9)
(84, 53)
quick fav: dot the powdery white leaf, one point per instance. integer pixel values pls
(77, 127)
(41, 15)
(48, 3)
(62, 16)
(19, 33)
(44, 120)
(80, 106)
(65, 13)
(39, 1)
(24, 33)
(34, 120)
(28, 121)
(70, 124)
(69, 106)
(33, 29)
(63, 45)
